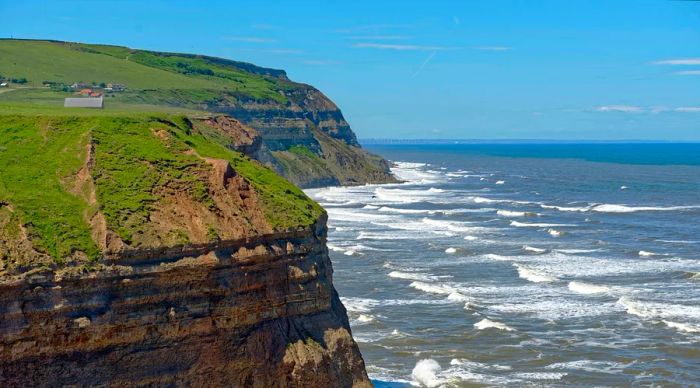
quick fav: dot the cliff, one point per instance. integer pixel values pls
(291, 118)
(144, 250)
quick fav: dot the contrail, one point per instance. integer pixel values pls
(425, 63)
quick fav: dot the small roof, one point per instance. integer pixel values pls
(84, 102)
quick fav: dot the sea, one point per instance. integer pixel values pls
(523, 265)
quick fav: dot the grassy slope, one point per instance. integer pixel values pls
(39, 155)
(160, 78)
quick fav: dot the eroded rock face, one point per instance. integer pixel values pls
(255, 312)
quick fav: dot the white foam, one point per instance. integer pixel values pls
(471, 238)
(365, 318)
(451, 250)
(612, 208)
(587, 288)
(682, 326)
(414, 276)
(433, 288)
(452, 226)
(608, 367)
(500, 182)
(335, 248)
(518, 224)
(511, 213)
(566, 208)
(623, 187)
(489, 324)
(533, 249)
(386, 209)
(539, 375)
(667, 313)
(371, 207)
(554, 233)
(351, 253)
(533, 275)
(646, 254)
(426, 372)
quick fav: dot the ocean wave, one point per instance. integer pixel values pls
(511, 213)
(489, 324)
(646, 254)
(451, 250)
(415, 276)
(386, 209)
(518, 224)
(533, 249)
(500, 182)
(433, 288)
(426, 373)
(587, 288)
(566, 208)
(532, 275)
(666, 313)
(608, 367)
(555, 233)
(611, 208)
(370, 207)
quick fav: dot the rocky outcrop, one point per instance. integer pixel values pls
(255, 312)
(310, 120)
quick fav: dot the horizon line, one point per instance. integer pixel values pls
(524, 140)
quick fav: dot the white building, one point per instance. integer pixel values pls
(84, 102)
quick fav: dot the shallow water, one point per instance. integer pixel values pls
(487, 269)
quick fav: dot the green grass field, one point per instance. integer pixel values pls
(40, 154)
(150, 77)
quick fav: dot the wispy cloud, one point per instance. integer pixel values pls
(492, 48)
(400, 47)
(620, 108)
(647, 109)
(679, 62)
(379, 37)
(688, 72)
(249, 39)
(424, 64)
(688, 109)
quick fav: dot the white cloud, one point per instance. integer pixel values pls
(620, 108)
(249, 39)
(379, 37)
(688, 72)
(399, 47)
(492, 48)
(688, 109)
(679, 62)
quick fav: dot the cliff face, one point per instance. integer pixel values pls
(144, 250)
(289, 116)
(258, 312)
(310, 142)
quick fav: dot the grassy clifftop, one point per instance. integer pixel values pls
(76, 187)
(288, 115)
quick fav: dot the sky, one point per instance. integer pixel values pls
(491, 69)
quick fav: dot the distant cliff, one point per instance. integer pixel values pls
(146, 250)
(308, 139)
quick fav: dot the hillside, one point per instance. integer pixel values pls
(74, 189)
(127, 238)
(304, 136)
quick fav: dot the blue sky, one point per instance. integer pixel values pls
(609, 69)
